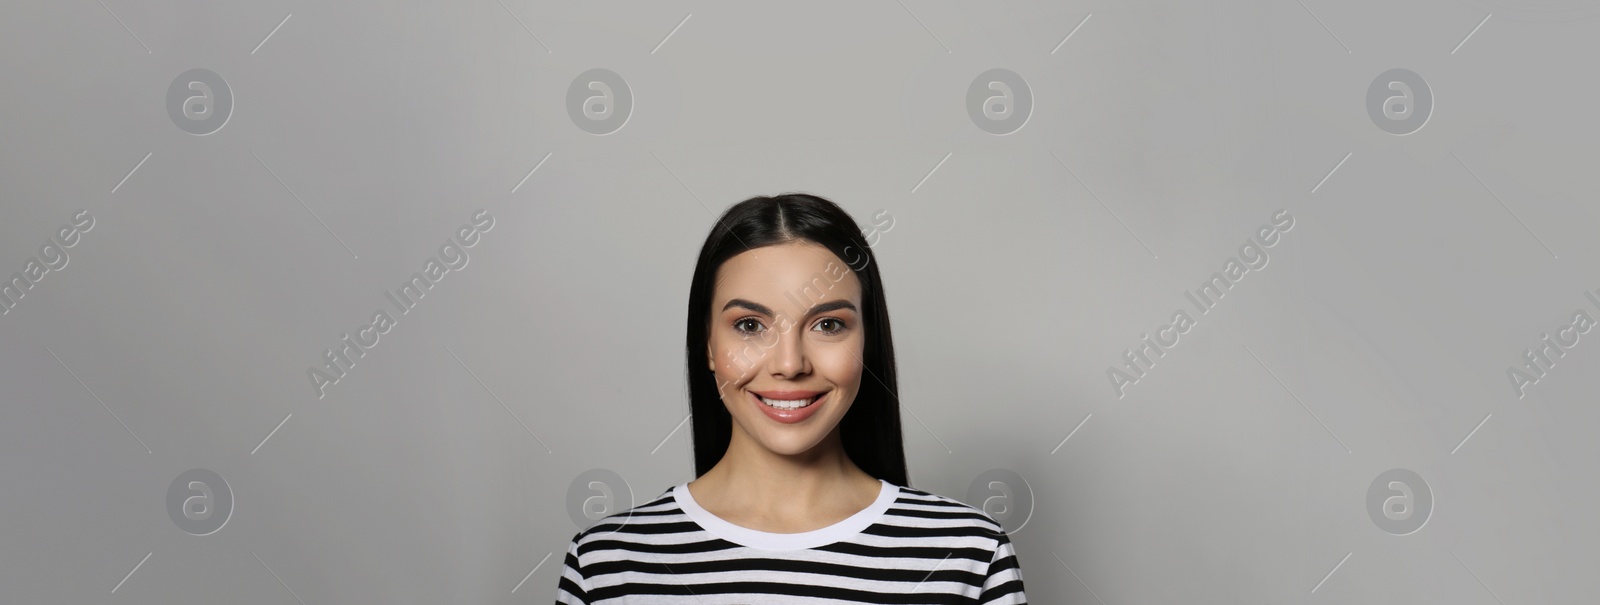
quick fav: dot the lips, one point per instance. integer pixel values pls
(788, 395)
(789, 416)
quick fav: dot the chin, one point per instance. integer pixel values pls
(789, 447)
(788, 439)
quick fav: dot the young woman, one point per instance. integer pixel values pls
(801, 493)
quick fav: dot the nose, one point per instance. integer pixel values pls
(787, 356)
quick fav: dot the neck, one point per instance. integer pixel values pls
(750, 475)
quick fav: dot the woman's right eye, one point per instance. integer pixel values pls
(748, 320)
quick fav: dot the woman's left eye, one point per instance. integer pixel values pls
(837, 330)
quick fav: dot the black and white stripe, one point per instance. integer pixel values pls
(916, 547)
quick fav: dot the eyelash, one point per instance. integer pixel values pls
(842, 326)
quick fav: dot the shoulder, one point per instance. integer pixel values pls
(922, 508)
(627, 525)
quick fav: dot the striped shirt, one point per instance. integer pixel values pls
(908, 547)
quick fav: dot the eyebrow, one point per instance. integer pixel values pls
(819, 308)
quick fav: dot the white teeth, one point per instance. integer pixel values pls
(789, 404)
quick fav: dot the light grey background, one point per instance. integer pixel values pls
(1018, 269)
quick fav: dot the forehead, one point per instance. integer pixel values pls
(784, 273)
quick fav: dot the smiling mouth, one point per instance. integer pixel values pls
(790, 404)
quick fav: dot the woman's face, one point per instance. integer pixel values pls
(786, 323)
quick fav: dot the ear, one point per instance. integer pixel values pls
(711, 359)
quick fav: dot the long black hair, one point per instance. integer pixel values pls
(870, 431)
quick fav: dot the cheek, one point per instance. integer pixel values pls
(840, 367)
(735, 361)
